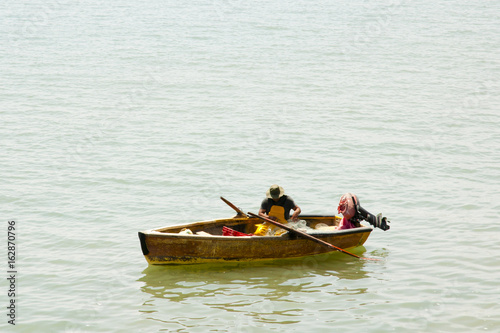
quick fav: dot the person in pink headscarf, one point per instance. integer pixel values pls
(347, 208)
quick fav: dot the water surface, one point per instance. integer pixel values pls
(123, 116)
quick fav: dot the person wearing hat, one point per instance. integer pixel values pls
(277, 205)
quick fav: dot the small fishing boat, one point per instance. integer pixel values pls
(240, 238)
(204, 242)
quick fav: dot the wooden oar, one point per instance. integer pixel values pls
(303, 234)
(239, 211)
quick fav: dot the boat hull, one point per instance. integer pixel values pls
(167, 246)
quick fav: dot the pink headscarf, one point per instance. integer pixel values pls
(348, 209)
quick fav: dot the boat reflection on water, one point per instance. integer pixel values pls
(255, 296)
(270, 279)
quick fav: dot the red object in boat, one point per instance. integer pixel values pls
(230, 232)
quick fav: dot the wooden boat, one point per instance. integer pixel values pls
(206, 244)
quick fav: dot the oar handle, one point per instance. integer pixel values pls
(239, 211)
(305, 235)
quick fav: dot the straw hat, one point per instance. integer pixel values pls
(275, 192)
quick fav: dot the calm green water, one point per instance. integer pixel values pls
(128, 115)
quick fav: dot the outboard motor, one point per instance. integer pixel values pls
(351, 209)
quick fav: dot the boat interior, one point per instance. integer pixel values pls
(247, 225)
